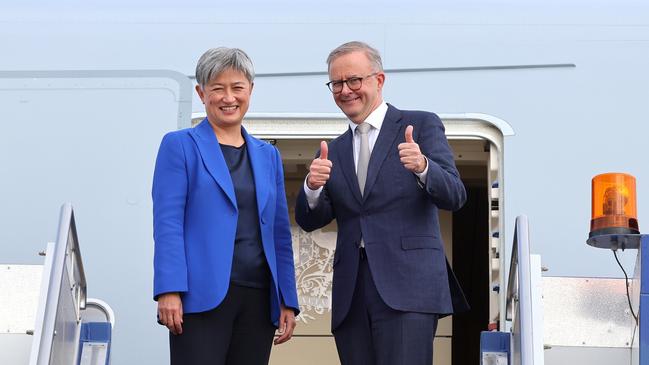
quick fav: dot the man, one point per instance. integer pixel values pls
(383, 181)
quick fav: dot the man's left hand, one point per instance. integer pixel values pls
(410, 154)
(286, 325)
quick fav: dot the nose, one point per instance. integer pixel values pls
(346, 90)
(228, 97)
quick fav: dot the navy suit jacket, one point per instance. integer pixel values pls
(396, 217)
(195, 219)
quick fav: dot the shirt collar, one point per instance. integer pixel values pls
(375, 119)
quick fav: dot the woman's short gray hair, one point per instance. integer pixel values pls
(372, 54)
(216, 60)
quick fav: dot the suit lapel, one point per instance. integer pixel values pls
(346, 158)
(212, 156)
(259, 162)
(389, 131)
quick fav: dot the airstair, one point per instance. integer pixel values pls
(45, 315)
(571, 320)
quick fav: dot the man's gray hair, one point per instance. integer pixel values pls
(216, 60)
(372, 54)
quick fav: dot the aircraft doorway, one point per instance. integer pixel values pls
(472, 238)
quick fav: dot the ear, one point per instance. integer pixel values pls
(252, 84)
(380, 80)
(200, 92)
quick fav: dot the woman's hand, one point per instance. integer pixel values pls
(170, 312)
(286, 325)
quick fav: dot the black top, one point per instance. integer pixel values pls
(249, 266)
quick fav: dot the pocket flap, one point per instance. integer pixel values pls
(415, 242)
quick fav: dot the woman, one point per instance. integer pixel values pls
(224, 275)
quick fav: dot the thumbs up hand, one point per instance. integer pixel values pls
(320, 169)
(410, 154)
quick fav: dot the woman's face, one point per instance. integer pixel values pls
(226, 97)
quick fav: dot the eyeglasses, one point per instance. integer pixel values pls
(353, 83)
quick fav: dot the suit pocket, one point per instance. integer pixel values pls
(419, 242)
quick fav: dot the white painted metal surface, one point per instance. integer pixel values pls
(19, 293)
(19, 290)
(524, 299)
(536, 299)
(63, 296)
(587, 312)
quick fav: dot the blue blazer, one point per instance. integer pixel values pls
(396, 216)
(195, 220)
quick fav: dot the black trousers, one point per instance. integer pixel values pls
(237, 332)
(375, 334)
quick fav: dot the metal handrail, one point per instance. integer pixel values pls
(519, 293)
(62, 258)
(512, 277)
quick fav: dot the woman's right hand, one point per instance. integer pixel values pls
(170, 312)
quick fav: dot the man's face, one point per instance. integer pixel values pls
(357, 104)
(226, 97)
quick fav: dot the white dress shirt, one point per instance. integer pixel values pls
(375, 120)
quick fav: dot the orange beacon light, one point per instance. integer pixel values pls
(614, 209)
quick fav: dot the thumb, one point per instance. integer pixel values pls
(409, 138)
(324, 150)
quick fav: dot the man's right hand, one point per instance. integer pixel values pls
(170, 312)
(320, 169)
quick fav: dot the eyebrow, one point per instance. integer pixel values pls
(236, 83)
(350, 77)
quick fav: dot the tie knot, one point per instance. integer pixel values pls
(363, 128)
